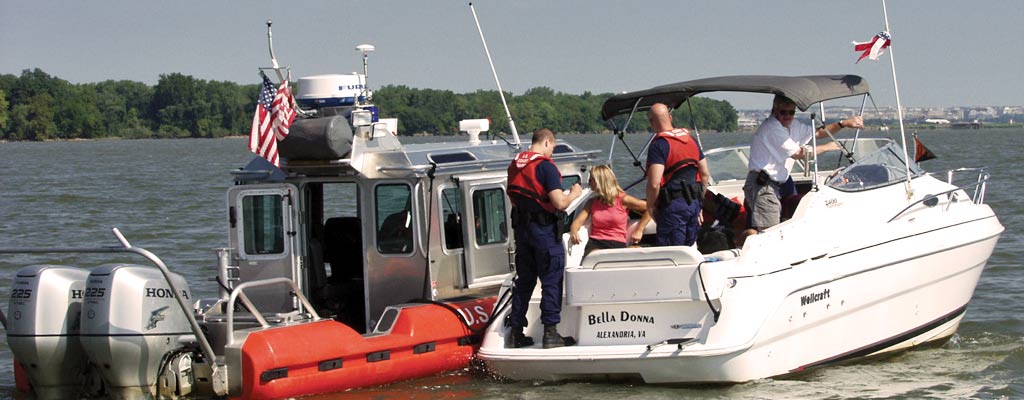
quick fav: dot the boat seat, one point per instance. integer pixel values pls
(343, 249)
(642, 257)
(642, 275)
(343, 246)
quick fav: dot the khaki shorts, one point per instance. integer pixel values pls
(763, 204)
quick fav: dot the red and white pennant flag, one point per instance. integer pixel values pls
(875, 47)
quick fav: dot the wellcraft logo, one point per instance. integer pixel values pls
(814, 297)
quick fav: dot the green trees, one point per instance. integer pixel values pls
(37, 106)
(439, 111)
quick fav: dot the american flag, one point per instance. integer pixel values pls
(873, 48)
(274, 114)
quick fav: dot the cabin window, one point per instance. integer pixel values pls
(489, 214)
(451, 214)
(262, 222)
(451, 157)
(393, 204)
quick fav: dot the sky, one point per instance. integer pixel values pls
(947, 53)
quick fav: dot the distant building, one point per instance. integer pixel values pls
(746, 123)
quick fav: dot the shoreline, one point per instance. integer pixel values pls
(909, 128)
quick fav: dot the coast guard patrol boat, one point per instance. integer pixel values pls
(361, 261)
(879, 256)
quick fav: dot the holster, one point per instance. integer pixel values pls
(764, 180)
(690, 191)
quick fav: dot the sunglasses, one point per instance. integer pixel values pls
(787, 112)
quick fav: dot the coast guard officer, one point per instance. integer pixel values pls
(677, 175)
(535, 190)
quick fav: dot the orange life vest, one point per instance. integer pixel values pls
(522, 179)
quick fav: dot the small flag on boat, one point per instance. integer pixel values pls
(921, 153)
(875, 47)
(274, 115)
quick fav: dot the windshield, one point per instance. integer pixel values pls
(728, 164)
(881, 168)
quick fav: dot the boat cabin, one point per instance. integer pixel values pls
(362, 222)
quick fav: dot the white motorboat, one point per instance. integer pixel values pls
(879, 256)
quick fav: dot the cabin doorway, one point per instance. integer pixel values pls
(336, 251)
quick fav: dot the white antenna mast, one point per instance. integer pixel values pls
(365, 49)
(899, 107)
(273, 59)
(511, 123)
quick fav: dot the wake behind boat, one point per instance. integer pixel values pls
(878, 256)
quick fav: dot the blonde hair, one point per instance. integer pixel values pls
(605, 184)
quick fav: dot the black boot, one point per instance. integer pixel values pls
(517, 339)
(551, 337)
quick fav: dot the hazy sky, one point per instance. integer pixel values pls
(947, 52)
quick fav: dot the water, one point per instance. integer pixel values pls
(168, 197)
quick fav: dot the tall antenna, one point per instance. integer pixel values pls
(273, 58)
(899, 107)
(365, 49)
(511, 123)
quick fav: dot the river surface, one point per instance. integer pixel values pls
(168, 196)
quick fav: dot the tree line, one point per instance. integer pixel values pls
(38, 106)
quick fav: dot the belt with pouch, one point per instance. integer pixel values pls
(763, 179)
(690, 191)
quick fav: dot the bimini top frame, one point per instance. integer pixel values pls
(803, 90)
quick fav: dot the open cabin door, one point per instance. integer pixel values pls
(486, 229)
(261, 234)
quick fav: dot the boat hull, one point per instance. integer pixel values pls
(904, 287)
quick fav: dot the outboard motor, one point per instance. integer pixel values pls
(131, 324)
(44, 311)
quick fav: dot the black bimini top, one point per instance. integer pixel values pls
(804, 90)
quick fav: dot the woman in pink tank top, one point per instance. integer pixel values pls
(608, 213)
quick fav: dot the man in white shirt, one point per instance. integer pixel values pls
(780, 137)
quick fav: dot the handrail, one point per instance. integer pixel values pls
(245, 300)
(126, 247)
(632, 261)
(979, 191)
(423, 168)
(982, 180)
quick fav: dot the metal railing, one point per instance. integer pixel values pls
(980, 183)
(237, 293)
(932, 200)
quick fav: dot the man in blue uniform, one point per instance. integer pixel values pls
(677, 175)
(535, 189)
